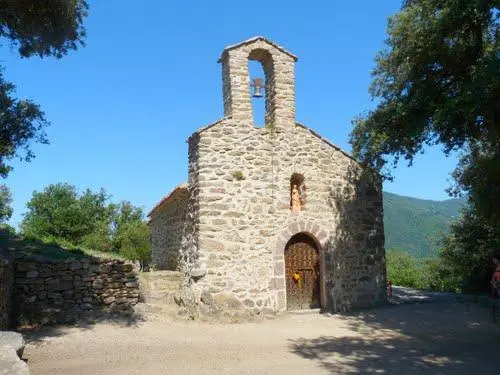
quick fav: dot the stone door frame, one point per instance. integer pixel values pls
(319, 236)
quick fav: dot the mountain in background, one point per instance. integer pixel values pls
(414, 225)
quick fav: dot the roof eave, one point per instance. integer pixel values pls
(255, 39)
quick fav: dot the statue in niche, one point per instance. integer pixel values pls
(295, 199)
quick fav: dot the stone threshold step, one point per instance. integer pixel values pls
(304, 311)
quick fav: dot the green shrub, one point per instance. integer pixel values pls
(238, 175)
(436, 274)
(402, 269)
(135, 239)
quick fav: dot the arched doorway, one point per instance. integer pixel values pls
(302, 273)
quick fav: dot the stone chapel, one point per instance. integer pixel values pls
(276, 217)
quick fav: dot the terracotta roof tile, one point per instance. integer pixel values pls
(168, 197)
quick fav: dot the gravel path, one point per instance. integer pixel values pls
(431, 338)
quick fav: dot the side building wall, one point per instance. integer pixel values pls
(168, 223)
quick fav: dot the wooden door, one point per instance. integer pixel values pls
(301, 257)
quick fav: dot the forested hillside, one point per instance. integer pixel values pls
(413, 225)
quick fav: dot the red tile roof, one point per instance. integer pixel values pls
(168, 197)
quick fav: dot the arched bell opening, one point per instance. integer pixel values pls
(257, 93)
(260, 69)
(302, 273)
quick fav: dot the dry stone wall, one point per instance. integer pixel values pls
(64, 291)
(167, 230)
(6, 288)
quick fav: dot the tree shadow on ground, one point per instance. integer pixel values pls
(431, 338)
(37, 334)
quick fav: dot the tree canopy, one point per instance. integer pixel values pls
(437, 82)
(35, 28)
(135, 242)
(5, 203)
(61, 214)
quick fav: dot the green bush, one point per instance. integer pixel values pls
(436, 274)
(135, 239)
(63, 216)
(441, 277)
(7, 229)
(402, 269)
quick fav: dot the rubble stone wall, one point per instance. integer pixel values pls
(167, 230)
(64, 291)
(239, 218)
(6, 288)
(242, 178)
(245, 223)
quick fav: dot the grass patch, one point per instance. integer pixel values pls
(238, 175)
(12, 243)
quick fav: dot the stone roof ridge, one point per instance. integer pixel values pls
(254, 39)
(206, 127)
(167, 197)
(326, 141)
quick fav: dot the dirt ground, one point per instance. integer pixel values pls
(429, 338)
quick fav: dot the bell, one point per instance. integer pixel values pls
(257, 86)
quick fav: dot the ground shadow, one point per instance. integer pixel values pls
(37, 334)
(430, 338)
(354, 257)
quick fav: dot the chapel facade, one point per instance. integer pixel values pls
(276, 217)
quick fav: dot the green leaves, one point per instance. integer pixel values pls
(402, 269)
(469, 248)
(60, 214)
(437, 82)
(464, 263)
(43, 28)
(122, 215)
(135, 240)
(21, 122)
(5, 203)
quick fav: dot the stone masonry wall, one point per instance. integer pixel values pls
(243, 224)
(278, 66)
(167, 230)
(64, 291)
(6, 287)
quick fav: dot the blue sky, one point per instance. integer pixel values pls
(122, 108)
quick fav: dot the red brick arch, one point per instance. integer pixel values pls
(317, 233)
